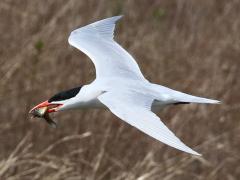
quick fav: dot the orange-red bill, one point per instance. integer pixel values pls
(49, 107)
(43, 109)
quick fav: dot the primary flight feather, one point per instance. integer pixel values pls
(119, 86)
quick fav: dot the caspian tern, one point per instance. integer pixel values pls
(120, 86)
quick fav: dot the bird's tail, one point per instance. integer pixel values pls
(187, 98)
(179, 97)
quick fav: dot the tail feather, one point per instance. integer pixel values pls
(177, 97)
(186, 98)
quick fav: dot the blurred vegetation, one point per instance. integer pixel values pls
(159, 13)
(39, 46)
(191, 46)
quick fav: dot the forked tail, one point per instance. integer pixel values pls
(186, 98)
(176, 97)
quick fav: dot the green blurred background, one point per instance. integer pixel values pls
(187, 45)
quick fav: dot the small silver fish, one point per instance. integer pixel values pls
(42, 113)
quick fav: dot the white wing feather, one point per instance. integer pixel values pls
(134, 109)
(109, 58)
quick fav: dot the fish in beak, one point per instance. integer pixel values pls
(43, 109)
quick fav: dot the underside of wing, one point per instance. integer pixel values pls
(109, 58)
(135, 110)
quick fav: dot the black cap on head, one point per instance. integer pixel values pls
(65, 94)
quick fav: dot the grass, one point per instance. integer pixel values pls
(191, 46)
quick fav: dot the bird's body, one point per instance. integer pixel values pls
(120, 86)
(162, 96)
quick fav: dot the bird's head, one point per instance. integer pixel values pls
(46, 107)
(59, 101)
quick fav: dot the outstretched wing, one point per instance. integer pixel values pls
(134, 109)
(109, 58)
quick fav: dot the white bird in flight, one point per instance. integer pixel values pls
(119, 86)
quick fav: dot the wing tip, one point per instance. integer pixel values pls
(110, 20)
(188, 150)
(195, 153)
(115, 18)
